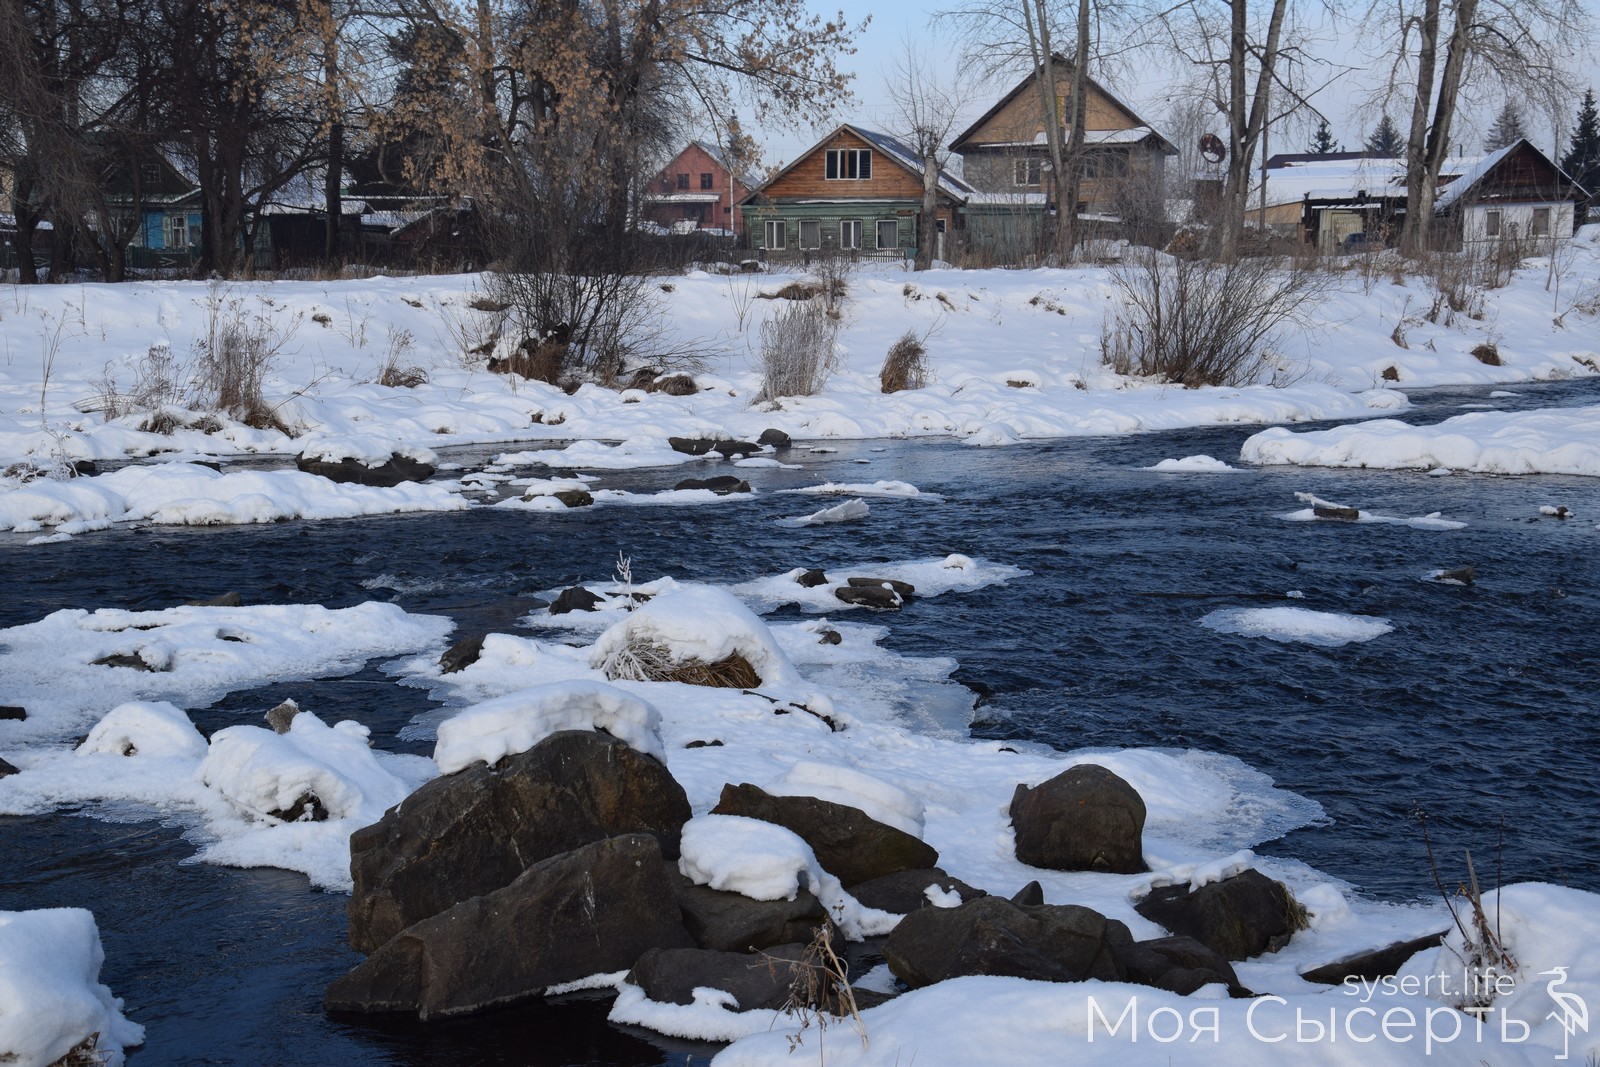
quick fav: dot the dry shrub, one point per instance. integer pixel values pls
(539, 361)
(797, 350)
(647, 661)
(234, 356)
(1487, 353)
(396, 372)
(906, 365)
(793, 291)
(85, 1053)
(674, 385)
(1202, 322)
(820, 992)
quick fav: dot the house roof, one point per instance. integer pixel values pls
(1139, 123)
(895, 150)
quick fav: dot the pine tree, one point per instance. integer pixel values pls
(1386, 140)
(1507, 129)
(1582, 161)
(1322, 141)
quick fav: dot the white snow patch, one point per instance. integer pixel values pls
(846, 512)
(1196, 464)
(1296, 625)
(147, 729)
(51, 997)
(695, 624)
(516, 723)
(886, 803)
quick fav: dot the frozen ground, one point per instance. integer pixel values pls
(1013, 355)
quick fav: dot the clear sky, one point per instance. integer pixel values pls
(1147, 84)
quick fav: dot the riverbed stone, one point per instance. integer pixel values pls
(992, 936)
(906, 891)
(461, 655)
(13, 713)
(1177, 964)
(281, 716)
(877, 597)
(7, 770)
(722, 484)
(474, 831)
(1084, 819)
(593, 910)
(774, 438)
(1238, 917)
(812, 578)
(391, 472)
(732, 922)
(1373, 964)
(575, 599)
(849, 844)
(756, 980)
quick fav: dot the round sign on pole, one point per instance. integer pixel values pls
(1212, 148)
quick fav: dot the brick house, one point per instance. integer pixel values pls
(697, 190)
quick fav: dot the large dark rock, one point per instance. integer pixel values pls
(877, 597)
(699, 446)
(590, 911)
(14, 713)
(849, 844)
(575, 599)
(764, 980)
(474, 831)
(461, 655)
(774, 437)
(575, 498)
(907, 891)
(812, 578)
(1177, 964)
(905, 589)
(280, 717)
(991, 935)
(6, 769)
(732, 922)
(1238, 917)
(392, 472)
(722, 484)
(1084, 819)
(1372, 965)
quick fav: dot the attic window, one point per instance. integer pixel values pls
(683, 181)
(849, 164)
(150, 173)
(706, 181)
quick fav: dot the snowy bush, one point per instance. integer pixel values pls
(797, 350)
(1203, 322)
(696, 634)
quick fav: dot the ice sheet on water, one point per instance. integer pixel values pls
(1297, 625)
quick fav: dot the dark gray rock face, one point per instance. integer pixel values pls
(390, 473)
(13, 713)
(7, 770)
(461, 655)
(1084, 819)
(877, 597)
(907, 891)
(905, 589)
(1378, 963)
(575, 599)
(699, 446)
(589, 911)
(850, 845)
(730, 922)
(774, 437)
(722, 484)
(991, 935)
(812, 578)
(474, 831)
(575, 498)
(1177, 964)
(221, 600)
(1237, 918)
(756, 980)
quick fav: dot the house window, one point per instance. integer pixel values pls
(175, 231)
(888, 233)
(1105, 165)
(776, 234)
(150, 173)
(1541, 222)
(683, 181)
(1491, 224)
(810, 233)
(850, 233)
(1028, 171)
(850, 163)
(705, 181)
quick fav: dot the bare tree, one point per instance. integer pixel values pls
(925, 116)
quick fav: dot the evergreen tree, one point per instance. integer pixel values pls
(1322, 141)
(1582, 161)
(1507, 129)
(1386, 140)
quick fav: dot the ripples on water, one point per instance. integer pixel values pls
(1480, 706)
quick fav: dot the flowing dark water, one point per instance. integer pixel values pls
(1480, 707)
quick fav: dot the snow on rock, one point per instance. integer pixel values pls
(51, 997)
(1296, 625)
(1543, 441)
(371, 449)
(147, 729)
(954, 573)
(204, 653)
(849, 511)
(714, 1015)
(1199, 464)
(515, 723)
(1431, 521)
(879, 488)
(764, 861)
(631, 453)
(886, 803)
(696, 624)
(268, 775)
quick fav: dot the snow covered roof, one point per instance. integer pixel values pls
(685, 198)
(1131, 135)
(907, 157)
(981, 199)
(1468, 176)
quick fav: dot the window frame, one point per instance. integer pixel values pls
(815, 228)
(175, 231)
(878, 234)
(852, 228)
(683, 182)
(1541, 224)
(847, 165)
(779, 227)
(707, 181)
(1027, 172)
(1492, 222)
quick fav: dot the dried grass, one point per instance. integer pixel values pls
(648, 661)
(906, 365)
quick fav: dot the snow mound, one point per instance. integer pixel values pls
(145, 728)
(50, 992)
(1296, 625)
(695, 624)
(369, 449)
(764, 861)
(515, 723)
(886, 803)
(714, 1015)
(879, 488)
(846, 512)
(1200, 464)
(267, 774)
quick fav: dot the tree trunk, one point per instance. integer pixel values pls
(928, 224)
(1246, 125)
(1033, 14)
(1072, 160)
(333, 182)
(1414, 237)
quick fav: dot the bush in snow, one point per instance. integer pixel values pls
(693, 634)
(906, 365)
(1203, 322)
(234, 355)
(797, 350)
